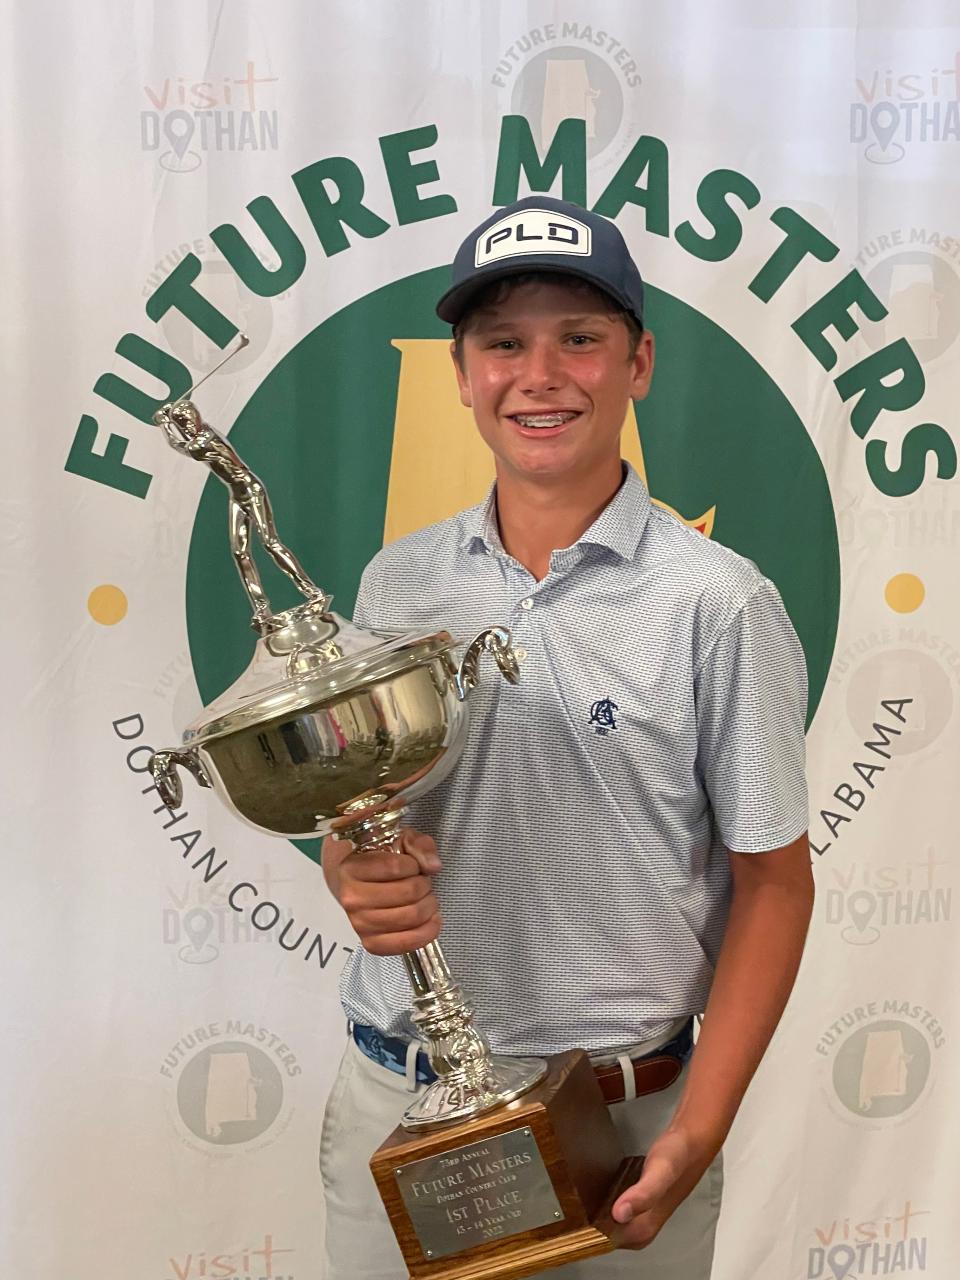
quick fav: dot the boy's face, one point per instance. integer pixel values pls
(548, 373)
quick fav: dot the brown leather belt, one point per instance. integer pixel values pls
(650, 1075)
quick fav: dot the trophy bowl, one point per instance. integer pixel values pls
(309, 742)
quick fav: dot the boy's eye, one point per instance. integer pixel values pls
(580, 339)
(505, 344)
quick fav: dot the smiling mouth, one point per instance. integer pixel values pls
(541, 421)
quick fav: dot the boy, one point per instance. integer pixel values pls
(624, 838)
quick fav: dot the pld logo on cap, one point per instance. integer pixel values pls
(532, 231)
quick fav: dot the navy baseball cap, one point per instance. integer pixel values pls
(540, 233)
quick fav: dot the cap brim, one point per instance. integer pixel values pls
(456, 301)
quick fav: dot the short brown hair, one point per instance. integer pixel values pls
(499, 290)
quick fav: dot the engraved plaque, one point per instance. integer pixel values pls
(486, 1191)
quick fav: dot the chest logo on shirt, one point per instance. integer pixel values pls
(601, 715)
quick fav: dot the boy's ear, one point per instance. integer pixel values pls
(463, 386)
(643, 361)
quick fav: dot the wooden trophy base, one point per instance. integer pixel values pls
(512, 1192)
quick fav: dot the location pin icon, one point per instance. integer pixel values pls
(179, 127)
(884, 118)
(841, 1258)
(861, 906)
(198, 926)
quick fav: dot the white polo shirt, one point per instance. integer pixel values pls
(659, 718)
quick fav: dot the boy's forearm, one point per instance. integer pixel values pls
(755, 973)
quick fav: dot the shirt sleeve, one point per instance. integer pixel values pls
(751, 697)
(365, 609)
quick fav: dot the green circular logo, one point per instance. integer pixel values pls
(716, 433)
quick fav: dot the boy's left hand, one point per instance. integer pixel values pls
(672, 1168)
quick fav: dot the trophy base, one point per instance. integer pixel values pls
(459, 1096)
(527, 1186)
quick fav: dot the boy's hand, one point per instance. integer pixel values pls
(387, 895)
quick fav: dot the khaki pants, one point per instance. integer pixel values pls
(365, 1105)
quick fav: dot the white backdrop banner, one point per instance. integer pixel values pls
(787, 179)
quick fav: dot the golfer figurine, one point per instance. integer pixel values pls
(250, 507)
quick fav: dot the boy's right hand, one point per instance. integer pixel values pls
(387, 895)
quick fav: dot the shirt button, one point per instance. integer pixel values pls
(526, 604)
(520, 654)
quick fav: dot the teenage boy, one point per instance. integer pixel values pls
(624, 840)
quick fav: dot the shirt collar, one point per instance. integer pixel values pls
(619, 526)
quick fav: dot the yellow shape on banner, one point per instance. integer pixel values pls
(904, 593)
(107, 605)
(440, 464)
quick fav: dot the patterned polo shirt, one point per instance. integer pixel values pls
(658, 722)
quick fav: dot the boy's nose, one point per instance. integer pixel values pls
(541, 370)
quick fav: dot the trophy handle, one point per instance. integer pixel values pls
(495, 640)
(163, 767)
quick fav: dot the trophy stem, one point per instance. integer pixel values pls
(470, 1079)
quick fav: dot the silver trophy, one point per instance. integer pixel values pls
(333, 730)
